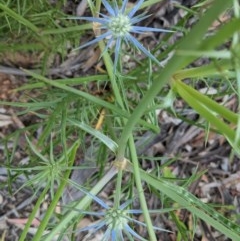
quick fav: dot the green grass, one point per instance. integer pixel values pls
(68, 112)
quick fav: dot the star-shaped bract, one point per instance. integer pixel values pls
(119, 26)
(115, 221)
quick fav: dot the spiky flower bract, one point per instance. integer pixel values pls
(115, 221)
(118, 26)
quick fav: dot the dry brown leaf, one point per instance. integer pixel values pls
(91, 61)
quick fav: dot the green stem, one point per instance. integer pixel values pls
(50, 210)
(33, 214)
(117, 196)
(117, 95)
(109, 66)
(98, 6)
(138, 181)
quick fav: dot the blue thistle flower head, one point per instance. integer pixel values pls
(118, 26)
(115, 221)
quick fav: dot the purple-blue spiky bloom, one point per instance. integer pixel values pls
(118, 26)
(115, 221)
